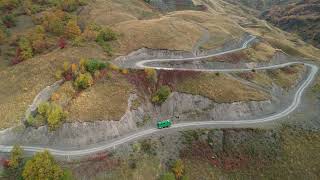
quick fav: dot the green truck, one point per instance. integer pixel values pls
(164, 124)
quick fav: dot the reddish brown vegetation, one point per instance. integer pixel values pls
(140, 80)
(17, 59)
(247, 75)
(94, 164)
(169, 78)
(4, 162)
(225, 160)
(62, 43)
(289, 70)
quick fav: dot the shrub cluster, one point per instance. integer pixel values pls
(83, 74)
(104, 37)
(9, 20)
(94, 65)
(34, 42)
(83, 81)
(161, 95)
(49, 113)
(53, 16)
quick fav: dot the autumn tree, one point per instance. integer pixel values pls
(55, 116)
(72, 30)
(26, 48)
(84, 81)
(42, 166)
(15, 163)
(53, 113)
(151, 74)
(54, 21)
(62, 43)
(178, 168)
(38, 38)
(15, 157)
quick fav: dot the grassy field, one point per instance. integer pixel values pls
(106, 100)
(220, 88)
(286, 78)
(260, 52)
(163, 33)
(222, 30)
(111, 12)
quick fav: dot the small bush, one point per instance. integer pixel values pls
(106, 47)
(78, 41)
(167, 176)
(103, 39)
(51, 113)
(62, 43)
(54, 21)
(106, 35)
(37, 38)
(178, 168)
(83, 81)
(26, 48)
(72, 30)
(151, 74)
(55, 116)
(124, 71)
(37, 121)
(161, 95)
(9, 20)
(44, 108)
(114, 67)
(14, 166)
(92, 65)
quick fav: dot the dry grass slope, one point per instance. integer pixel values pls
(220, 88)
(106, 100)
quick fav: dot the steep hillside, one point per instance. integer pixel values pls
(302, 18)
(262, 4)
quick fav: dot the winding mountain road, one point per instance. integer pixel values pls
(294, 104)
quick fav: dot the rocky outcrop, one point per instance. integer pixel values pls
(187, 107)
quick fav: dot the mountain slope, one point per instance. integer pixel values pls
(302, 18)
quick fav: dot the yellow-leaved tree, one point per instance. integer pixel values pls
(178, 168)
(42, 166)
(72, 30)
